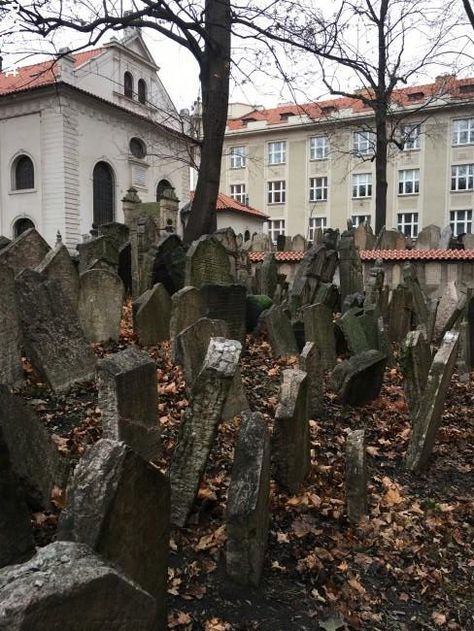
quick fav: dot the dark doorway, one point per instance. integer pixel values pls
(162, 186)
(104, 194)
(22, 225)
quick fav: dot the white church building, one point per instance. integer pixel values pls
(77, 133)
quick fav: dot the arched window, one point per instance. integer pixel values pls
(23, 173)
(21, 225)
(162, 186)
(103, 183)
(141, 91)
(247, 235)
(128, 85)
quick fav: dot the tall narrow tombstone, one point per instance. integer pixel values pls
(187, 306)
(248, 510)
(312, 364)
(392, 240)
(374, 287)
(268, 275)
(290, 440)
(356, 476)
(359, 379)
(428, 419)
(58, 265)
(350, 266)
(400, 313)
(11, 372)
(280, 332)
(151, 316)
(319, 328)
(25, 252)
(118, 504)
(199, 426)
(227, 302)
(415, 363)
(207, 263)
(309, 273)
(128, 400)
(226, 236)
(420, 307)
(364, 238)
(164, 263)
(100, 305)
(52, 335)
(464, 361)
(353, 328)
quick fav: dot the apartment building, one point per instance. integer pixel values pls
(313, 165)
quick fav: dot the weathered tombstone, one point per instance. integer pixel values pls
(280, 332)
(350, 266)
(420, 307)
(392, 240)
(268, 276)
(96, 249)
(191, 345)
(354, 330)
(328, 294)
(226, 236)
(464, 361)
(248, 511)
(445, 237)
(374, 286)
(114, 490)
(100, 305)
(428, 238)
(143, 235)
(164, 263)
(356, 476)
(415, 363)
(311, 363)
(226, 302)
(400, 313)
(187, 306)
(207, 263)
(352, 300)
(260, 243)
(309, 273)
(359, 379)
(428, 418)
(65, 585)
(102, 264)
(129, 402)
(4, 241)
(290, 439)
(298, 243)
(125, 268)
(199, 426)
(118, 234)
(151, 316)
(11, 371)
(58, 265)
(25, 252)
(319, 328)
(468, 241)
(52, 335)
(364, 238)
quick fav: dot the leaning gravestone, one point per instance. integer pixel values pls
(420, 308)
(356, 476)
(268, 275)
(319, 328)
(187, 306)
(280, 332)
(428, 418)
(199, 426)
(359, 379)
(100, 305)
(311, 363)
(354, 330)
(11, 371)
(400, 314)
(207, 263)
(350, 266)
(118, 504)
(428, 238)
(364, 238)
(415, 363)
(151, 316)
(58, 265)
(290, 439)
(248, 510)
(164, 263)
(128, 400)
(227, 302)
(25, 252)
(52, 335)
(317, 265)
(66, 586)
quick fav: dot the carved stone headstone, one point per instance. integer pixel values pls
(319, 328)
(58, 265)
(226, 302)
(359, 379)
(25, 252)
(268, 276)
(428, 238)
(298, 243)
(207, 263)
(392, 240)
(356, 476)
(311, 363)
(187, 306)
(353, 329)
(280, 332)
(364, 238)
(11, 371)
(99, 248)
(415, 363)
(445, 237)
(164, 263)
(151, 316)
(374, 286)
(261, 243)
(350, 266)
(100, 305)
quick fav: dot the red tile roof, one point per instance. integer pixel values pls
(43, 73)
(385, 255)
(227, 203)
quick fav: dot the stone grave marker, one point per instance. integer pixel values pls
(11, 372)
(328, 294)
(58, 265)
(100, 305)
(400, 313)
(468, 241)
(268, 276)
(248, 510)
(445, 237)
(187, 306)
(280, 332)
(193, 342)
(356, 476)
(151, 316)
(261, 243)
(319, 328)
(359, 379)
(350, 266)
(164, 262)
(207, 263)
(354, 330)
(428, 238)
(227, 302)
(311, 363)
(415, 363)
(364, 238)
(117, 234)
(25, 252)
(420, 307)
(99, 248)
(392, 240)
(374, 286)
(298, 243)
(4, 241)
(463, 363)
(226, 236)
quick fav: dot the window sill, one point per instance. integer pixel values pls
(317, 201)
(464, 190)
(22, 191)
(319, 159)
(237, 168)
(408, 194)
(464, 144)
(362, 198)
(276, 164)
(276, 203)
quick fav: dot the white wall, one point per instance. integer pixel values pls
(239, 223)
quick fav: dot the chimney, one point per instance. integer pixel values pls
(65, 66)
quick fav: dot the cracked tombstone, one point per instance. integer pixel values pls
(415, 363)
(311, 363)
(199, 426)
(25, 252)
(100, 305)
(290, 439)
(359, 379)
(65, 585)
(58, 265)
(187, 306)
(280, 332)
(356, 476)
(428, 418)
(151, 316)
(319, 328)
(11, 371)
(248, 503)
(114, 490)
(58, 351)
(128, 399)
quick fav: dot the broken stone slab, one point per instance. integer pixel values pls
(100, 305)
(151, 316)
(428, 418)
(311, 270)
(118, 504)
(356, 476)
(359, 379)
(11, 371)
(187, 306)
(66, 586)
(226, 302)
(207, 263)
(199, 426)
(319, 328)
(290, 439)
(248, 510)
(25, 252)
(311, 363)
(52, 335)
(128, 399)
(58, 265)
(415, 363)
(280, 332)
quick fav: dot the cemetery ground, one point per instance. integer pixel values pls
(408, 566)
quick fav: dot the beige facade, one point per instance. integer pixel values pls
(304, 172)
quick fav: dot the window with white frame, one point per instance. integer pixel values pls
(362, 185)
(463, 131)
(276, 192)
(238, 157)
(407, 224)
(277, 152)
(410, 136)
(237, 192)
(363, 142)
(318, 189)
(462, 177)
(408, 181)
(460, 221)
(276, 227)
(314, 224)
(357, 220)
(318, 148)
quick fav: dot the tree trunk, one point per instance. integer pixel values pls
(381, 169)
(214, 77)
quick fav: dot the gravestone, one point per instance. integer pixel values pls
(143, 235)
(260, 243)
(374, 285)
(298, 243)
(328, 294)
(312, 269)
(207, 263)
(392, 240)
(128, 400)
(151, 316)
(99, 248)
(164, 262)
(117, 234)
(364, 238)
(100, 305)
(310, 362)
(463, 363)
(356, 476)
(350, 266)
(248, 503)
(53, 338)
(118, 505)
(400, 313)
(290, 439)
(58, 265)
(428, 418)
(11, 371)
(187, 306)
(415, 363)
(125, 268)
(226, 302)
(66, 586)
(428, 238)
(420, 308)
(280, 332)
(4, 241)
(445, 237)
(226, 236)
(268, 276)
(354, 331)
(199, 425)
(468, 241)
(319, 328)
(359, 379)
(25, 252)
